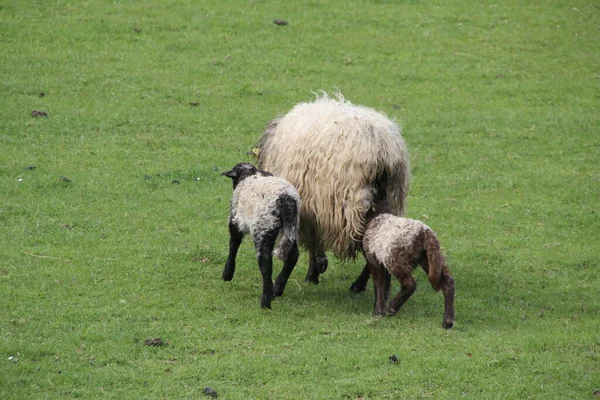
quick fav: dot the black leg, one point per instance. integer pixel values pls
(288, 266)
(235, 239)
(360, 284)
(318, 264)
(264, 248)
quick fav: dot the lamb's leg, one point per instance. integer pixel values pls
(317, 265)
(235, 239)
(379, 282)
(360, 284)
(408, 285)
(388, 284)
(288, 266)
(447, 285)
(264, 247)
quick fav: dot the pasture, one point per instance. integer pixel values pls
(117, 118)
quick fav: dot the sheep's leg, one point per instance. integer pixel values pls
(265, 262)
(360, 284)
(447, 285)
(317, 265)
(288, 266)
(408, 285)
(379, 283)
(235, 239)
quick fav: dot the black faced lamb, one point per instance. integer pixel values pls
(395, 245)
(267, 207)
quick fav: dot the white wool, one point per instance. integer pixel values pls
(333, 152)
(387, 235)
(253, 205)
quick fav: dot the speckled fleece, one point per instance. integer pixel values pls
(254, 204)
(387, 236)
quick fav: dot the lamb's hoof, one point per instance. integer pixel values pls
(391, 312)
(277, 290)
(448, 324)
(265, 305)
(227, 277)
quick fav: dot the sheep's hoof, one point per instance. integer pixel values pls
(378, 313)
(322, 264)
(312, 279)
(357, 287)
(448, 324)
(391, 312)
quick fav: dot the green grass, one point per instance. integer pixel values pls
(499, 104)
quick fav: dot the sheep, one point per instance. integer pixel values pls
(396, 245)
(343, 159)
(266, 207)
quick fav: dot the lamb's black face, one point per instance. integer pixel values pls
(242, 171)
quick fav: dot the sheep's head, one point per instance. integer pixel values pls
(242, 171)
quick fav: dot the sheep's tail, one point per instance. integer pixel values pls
(434, 259)
(290, 222)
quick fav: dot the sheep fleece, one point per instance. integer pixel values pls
(334, 153)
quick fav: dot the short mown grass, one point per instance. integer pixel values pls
(119, 233)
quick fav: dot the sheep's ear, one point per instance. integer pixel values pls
(230, 174)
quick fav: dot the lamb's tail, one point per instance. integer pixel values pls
(434, 259)
(290, 222)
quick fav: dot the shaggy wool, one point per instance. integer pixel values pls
(342, 158)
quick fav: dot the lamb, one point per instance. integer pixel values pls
(397, 245)
(266, 207)
(343, 159)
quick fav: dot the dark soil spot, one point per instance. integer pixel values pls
(39, 114)
(66, 180)
(157, 342)
(216, 169)
(175, 182)
(280, 22)
(30, 167)
(194, 103)
(42, 94)
(147, 177)
(596, 393)
(136, 29)
(210, 392)
(394, 359)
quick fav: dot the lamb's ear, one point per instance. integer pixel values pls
(232, 174)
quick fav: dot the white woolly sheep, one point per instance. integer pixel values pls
(266, 207)
(343, 159)
(397, 245)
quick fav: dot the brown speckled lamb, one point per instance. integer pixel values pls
(397, 245)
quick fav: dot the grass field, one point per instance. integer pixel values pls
(119, 233)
